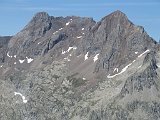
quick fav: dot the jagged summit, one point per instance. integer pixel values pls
(118, 13)
(41, 15)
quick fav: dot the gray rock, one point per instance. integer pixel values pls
(52, 65)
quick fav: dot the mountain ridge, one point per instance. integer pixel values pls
(73, 68)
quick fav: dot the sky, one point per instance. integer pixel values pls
(15, 14)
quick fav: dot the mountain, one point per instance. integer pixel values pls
(73, 68)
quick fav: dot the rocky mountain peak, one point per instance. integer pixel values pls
(117, 19)
(38, 19)
(58, 64)
(118, 13)
(41, 15)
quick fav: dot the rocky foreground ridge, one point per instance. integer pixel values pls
(73, 68)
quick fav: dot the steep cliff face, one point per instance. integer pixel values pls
(72, 68)
(3, 47)
(122, 41)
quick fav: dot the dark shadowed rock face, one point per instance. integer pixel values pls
(73, 68)
(4, 47)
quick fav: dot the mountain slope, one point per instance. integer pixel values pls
(74, 68)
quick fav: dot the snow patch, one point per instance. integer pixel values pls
(61, 29)
(84, 78)
(29, 60)
(140, 66)
(63, 52)
(14, 56)
(115, 69)
(39, 43)
(133, 61)
(55, 32)
(82, 28)
(23, 97)
(95, 57)
(136, 52)
(15, 63)
(83, 33)
(1, 66)
(158, 65)
(67, 59)
(9, 55)
(21, 61)
(79, 37)
(143, 53)
(122, 71)
(69, 49)
(86, 56)
(67, 23)
(70, 54)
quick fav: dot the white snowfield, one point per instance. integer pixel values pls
(126, 67)
(23, 97)
(67, 23)
(115, 69)
(69, 49)
(61, 29)
(95, 57)
(67, 59)
(122, 71)
(63, 52)
(143, 53)
(9, 55)
(136, 52)
(86, 56)
(55, 32)
(140, 66)
(29, 60)
(21, 61)
(79, 37)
